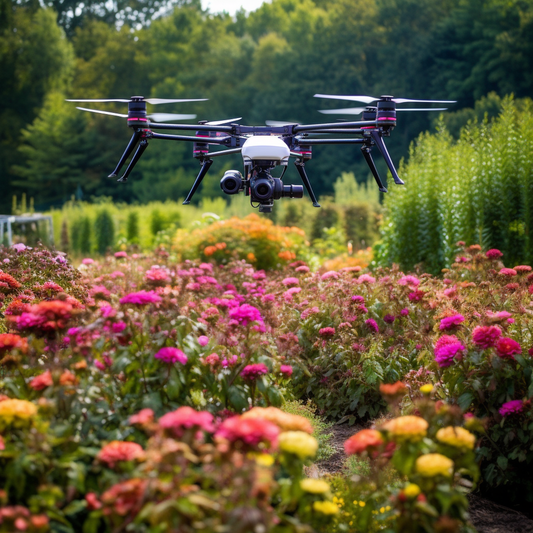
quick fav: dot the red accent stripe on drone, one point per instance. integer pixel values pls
(387, 118)
(137, 119)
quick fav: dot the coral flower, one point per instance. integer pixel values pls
(118, 450)
(171, 355)
(393, 389)
(406, 428)
(363, 441)
(507, 348)
(434, 464)
(42, 381)
(250, 433)
(456, 436)
(46, 316)
(9, 341)
(285, 421)
(446, 348)
(486, 336)
(299, 443)
(144, 416)
(183, 418)
(451, 322)
(522, 268)
(8, 282)
(125, 498)
(508, 408)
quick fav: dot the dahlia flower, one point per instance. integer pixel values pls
(183, 418)
(456, 436)
(508, 408)
(406, 428)
(507, 348)
(451, 322)
(434, 464)
(486, 336)
(250, 432)
(171, 355)
(118, 450)
(363, 441)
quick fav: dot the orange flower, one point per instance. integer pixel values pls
(363, 441)
(393, 389)
(287, 255)
(119, 450)
(42, 381)
(9, 341)
(68, 378)
(209, 250)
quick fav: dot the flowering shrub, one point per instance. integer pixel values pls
(255, 239)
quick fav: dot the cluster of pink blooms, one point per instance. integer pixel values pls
(512, 407)
(157, 276)
(485, 337)
(326, 332)
(117, 451)
(246, 313)
(184, 418)
(249, 432)
(171, 355)
(45, 316)
(451, 322)
(254, 371)
(446, 348)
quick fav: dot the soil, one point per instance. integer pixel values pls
(487, 516)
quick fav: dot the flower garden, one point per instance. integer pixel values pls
(149, 392)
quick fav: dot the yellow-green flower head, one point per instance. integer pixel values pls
(411, 491)
(434, 464)
(406, 428)
(314, 486)
(301, 444)
(456, 436)
(328, 508)
(16, 411)
(264, 459)
(426, 389)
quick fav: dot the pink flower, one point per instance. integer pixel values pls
(507, 348)
(141, 298)
(118, 327)
(331, 274)
(446, 348)
(118, 450)
(250, 432)
(416, 296)
(493, 253)
(451, 322)
(286, 370)
(522, 268)
(411, 281)
(212, 359)
(366, 278)
(404, 311)
(203, 340)
(183, 418)
(508, 272)
(509, 408)
(42, 381)
(118, 255)
(107, 311)
(309, 311)
(144, 416)
(302, 268)
(372, 325)
(289, 292)
(358, 299)
(486, 336)
(498, 316)
(326, 332)
(171, 355)
(245, 313)
(389, 319)
(87, 261)
(290, 281)
(252, 372)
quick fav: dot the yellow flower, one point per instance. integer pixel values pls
(299, 443)
(434, 464)
(16, 411)
(456, 436)
(328, 508)
(314, 486)
(411, 491)
(264, 459)
(406, 428)
(426, 389)
(285, 421)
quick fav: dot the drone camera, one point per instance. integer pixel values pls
(231, 182)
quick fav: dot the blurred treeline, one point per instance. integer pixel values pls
(262, 65)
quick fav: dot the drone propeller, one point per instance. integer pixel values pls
(153, 101)
(370, 99)
(359, 110)
(222, 122)
(156, 117)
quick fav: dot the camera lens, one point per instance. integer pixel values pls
(231, 183)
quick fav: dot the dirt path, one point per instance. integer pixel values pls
(487, 516)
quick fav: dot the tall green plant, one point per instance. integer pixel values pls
(104, 231)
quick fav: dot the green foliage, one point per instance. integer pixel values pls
(104, 231)
(476, 189)
(132, 227)
(325, 218)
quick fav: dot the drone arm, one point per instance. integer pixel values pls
(203, 171)
(300, 167)
(192, 127)
(136, 156)
(376, 137)
(131, 145)
(368, 157)
(210, 140)
(224, 152)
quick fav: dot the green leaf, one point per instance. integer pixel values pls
(465, 400)
(237, 399)
(502, 462)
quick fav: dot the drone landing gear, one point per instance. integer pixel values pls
(378, 141)
(139, 152)
(368, 157)
(203, 171)
(131, 145)
(300, 167)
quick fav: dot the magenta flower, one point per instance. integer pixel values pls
(486, 336)
(508, 272)
(252, 372)
(141, 298)
(309, 311)
(358, 299)
(286, 370)
(411, 281)
(372, 325)
(416, 296)
(493, 253)
(245, 313)
(203, 340)
(171, 355)
(290, 281)
(446, 348)
(451, 322)
(507, 348)
(326, 332)
(509, 408)
(404, 311)
(118, 327)
(389, 319)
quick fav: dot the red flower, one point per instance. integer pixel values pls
(416, 296)
(9, 341)
(506, 348)
(486, 336)
(8, 282)
(493, 254)
(252, 372)
(363, 441)
(125, 498)
(42, 381)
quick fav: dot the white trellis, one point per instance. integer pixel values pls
(7, 221)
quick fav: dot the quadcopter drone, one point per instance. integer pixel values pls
(263, 147)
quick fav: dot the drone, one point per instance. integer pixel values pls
(263, 147)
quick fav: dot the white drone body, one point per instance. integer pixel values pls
(265, 148)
